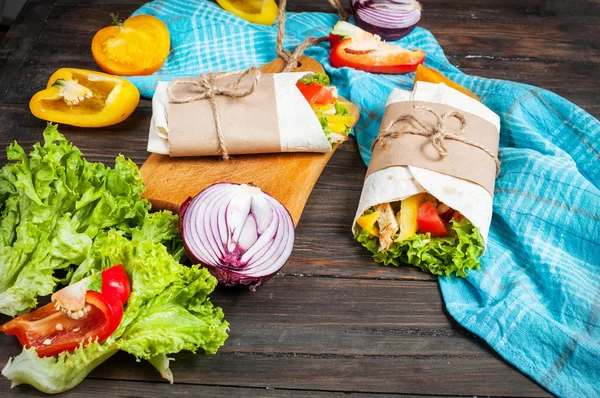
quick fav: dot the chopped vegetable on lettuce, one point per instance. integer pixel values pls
(333, 115)
(168, 311)
(320, 78)
(456, 253)
(61, 213)
(53, 204)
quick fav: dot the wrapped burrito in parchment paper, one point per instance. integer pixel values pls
(286, 112)
(418, 207)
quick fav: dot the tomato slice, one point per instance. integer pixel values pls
(50, 331)
(374, 56)
(115, 283)
(428, 220)
(316, 93)
(139, 46)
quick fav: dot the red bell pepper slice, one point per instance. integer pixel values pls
(50, 331)
(358, 49)
(316, 93)
(428, 220)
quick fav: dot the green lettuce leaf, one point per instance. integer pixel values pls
(456, 253)
(56, 374)
(320, 78)
(53, 204)
(161, 227)
(341, 109)
(168, 311)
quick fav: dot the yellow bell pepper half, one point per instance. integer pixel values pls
(256, 11)
(85, 98)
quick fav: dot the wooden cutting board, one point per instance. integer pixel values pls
(289, 177)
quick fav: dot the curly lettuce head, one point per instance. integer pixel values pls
(168, 311)
(53, 204)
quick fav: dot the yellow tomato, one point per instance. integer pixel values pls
(138, 46)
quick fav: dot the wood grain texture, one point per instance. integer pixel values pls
(128, 389)
(327, 334)
(332, 322)
(288, 177)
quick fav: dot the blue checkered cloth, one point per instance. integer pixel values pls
(536, 299)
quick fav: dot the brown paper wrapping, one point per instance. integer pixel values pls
(249, 124)
(462, 161)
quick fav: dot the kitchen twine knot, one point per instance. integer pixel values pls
(436, 134)
(208, 87)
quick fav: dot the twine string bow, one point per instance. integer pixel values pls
(208, 86)
(437, 135)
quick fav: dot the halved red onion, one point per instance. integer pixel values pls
(240, 233)
(390, 19)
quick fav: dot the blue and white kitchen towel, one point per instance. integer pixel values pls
(536, 299)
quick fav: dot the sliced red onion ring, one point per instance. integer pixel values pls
(240, 233)
(390, 19)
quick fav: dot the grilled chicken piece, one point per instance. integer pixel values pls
(388, 226)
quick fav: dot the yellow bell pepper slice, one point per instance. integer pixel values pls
(325, 109)
(345, 120)
(85, 98)
(408, 216)
(368, 221)
(263, 12)
(339, 124)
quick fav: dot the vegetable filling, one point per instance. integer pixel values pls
(333, 115)
(423, 232)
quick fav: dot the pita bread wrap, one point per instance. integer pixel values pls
(274, 118)
(471, 196)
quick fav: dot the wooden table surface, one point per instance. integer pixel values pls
(333, 322)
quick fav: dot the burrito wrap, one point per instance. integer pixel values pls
(399, 182)
(296, 128)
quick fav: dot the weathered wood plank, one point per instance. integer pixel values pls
(337, 335)
(20, 38)
(351, 325)
(128, 389)
(426, 376)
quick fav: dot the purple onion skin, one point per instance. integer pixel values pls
(228, 278)
(385, 33)
(182, 209)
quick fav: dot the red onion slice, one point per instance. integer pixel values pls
(390, 19)
(240, 233)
